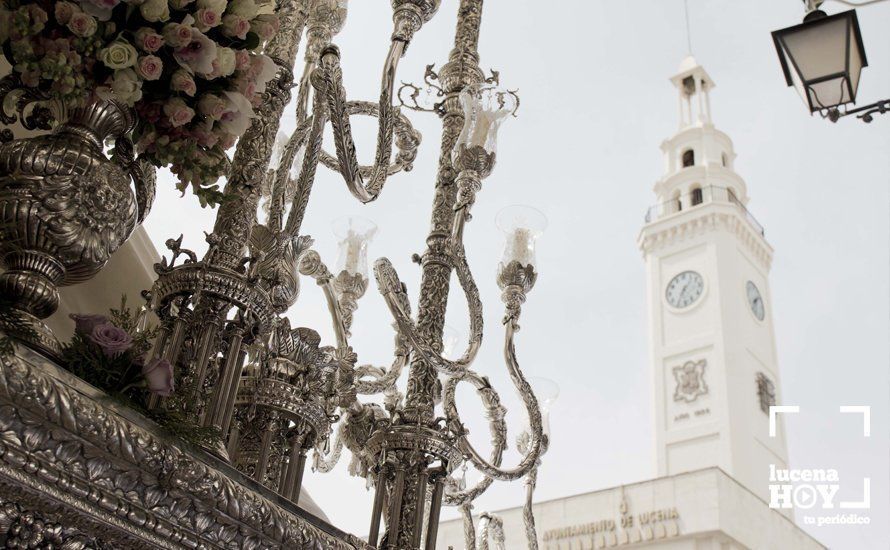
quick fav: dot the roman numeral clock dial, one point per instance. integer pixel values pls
(684, 289)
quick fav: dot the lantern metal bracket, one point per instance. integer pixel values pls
(864, 113)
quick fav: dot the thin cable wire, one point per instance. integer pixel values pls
(688, 28)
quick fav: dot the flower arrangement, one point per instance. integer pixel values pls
(112, 354)
(191, 69)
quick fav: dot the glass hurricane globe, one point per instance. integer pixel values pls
(354, 234)
(521, 226)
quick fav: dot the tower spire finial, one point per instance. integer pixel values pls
(688, 28)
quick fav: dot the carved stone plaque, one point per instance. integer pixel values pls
(690, 378)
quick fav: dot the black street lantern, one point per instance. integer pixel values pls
(822, 57)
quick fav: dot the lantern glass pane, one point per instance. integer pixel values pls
(818, 50)
(830, 93)
(795, 77)
(856, 64)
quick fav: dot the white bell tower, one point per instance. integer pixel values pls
(711, 336)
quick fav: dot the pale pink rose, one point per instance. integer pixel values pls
(206, 19)
(177, 35)
(212, 106)
(235, 26)
(84, 324)
(238, 114)
(111, 340)
(263, 70)
(178, 113)
(242, 60)
(249, 90)
(82, 25)
(182, 81)
(263, 29)
(150, 67)
(64, 11)
(198, 55)
(158, 375)
(148, 40)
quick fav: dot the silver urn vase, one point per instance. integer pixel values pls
(65, 207)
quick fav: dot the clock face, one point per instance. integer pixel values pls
(684, 289)
(755, 300)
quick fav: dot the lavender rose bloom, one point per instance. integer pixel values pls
(84, 324)
(158, 375)
(111, 339)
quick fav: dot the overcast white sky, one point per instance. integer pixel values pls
(596, 103)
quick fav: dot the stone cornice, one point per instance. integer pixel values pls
(70, 454)
(688, 225)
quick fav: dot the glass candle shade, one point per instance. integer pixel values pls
(278, 150)
(546, 390)
(451, 337)
(353, 236)
(521, 225)
(485, 107)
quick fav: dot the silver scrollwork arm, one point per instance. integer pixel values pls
(345, 146)
(393, 292)
(536, 443)
(312, 266)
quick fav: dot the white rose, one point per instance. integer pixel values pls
(120, 54)
(155, 10)
(225, 58)
(126, 86)
(245, 8)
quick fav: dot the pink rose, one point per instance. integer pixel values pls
(235, 25)
(262, 69)
(148, 40)
(158, 375)
(82, 24)
(249, 90)
(64, 11)
(111, 340)
(150, 67)
(212, 106)
(178, 113)
(263, 29)
(206, 19)
(242, 60)
(177, 35)
(182, 81)
(84, 324)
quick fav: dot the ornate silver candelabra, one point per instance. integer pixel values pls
(273, 391)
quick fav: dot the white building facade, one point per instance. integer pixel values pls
(715, 371)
